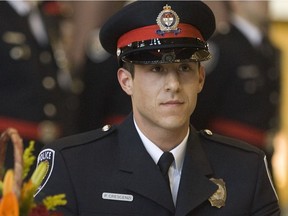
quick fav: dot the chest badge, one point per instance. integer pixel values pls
(218, 199)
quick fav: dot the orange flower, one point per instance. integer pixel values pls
(26, 198)
(28, 190)
(9, 205)
(8, 184)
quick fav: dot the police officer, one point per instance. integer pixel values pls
(241, 95)
(34, 90)
(155, 162)
(99, 105)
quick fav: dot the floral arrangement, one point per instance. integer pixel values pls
(16, 195)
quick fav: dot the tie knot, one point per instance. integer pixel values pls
(165, 162)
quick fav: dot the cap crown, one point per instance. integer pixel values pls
(142, 14)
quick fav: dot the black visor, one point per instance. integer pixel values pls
(162, 56)
(165, 51)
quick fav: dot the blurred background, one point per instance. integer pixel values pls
(74, 86)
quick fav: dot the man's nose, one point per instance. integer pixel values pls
(172, 81)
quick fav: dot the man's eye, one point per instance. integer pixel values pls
(157, 68)
(185, 68)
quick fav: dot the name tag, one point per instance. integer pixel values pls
(118, 197)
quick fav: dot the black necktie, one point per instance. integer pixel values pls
(164, 163)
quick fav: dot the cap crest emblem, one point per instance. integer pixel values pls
(168, 21)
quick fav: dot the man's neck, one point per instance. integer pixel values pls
(165, 139)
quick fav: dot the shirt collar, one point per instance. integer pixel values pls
(252, 33)
(155, 152)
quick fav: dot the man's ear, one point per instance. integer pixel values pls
(126, 80)
(201, 78)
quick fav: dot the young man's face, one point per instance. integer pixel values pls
(163, 95)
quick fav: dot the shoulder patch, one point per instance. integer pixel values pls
(82, 138)
(45, 165)
(207, 134)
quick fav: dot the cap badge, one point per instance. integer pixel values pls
(218, 199)
(168, 21)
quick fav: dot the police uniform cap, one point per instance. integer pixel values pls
(135, 33)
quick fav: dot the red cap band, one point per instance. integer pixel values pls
(150, 32)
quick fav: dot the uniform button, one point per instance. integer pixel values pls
(106, 127)
(49, 83)
(208, 132)
(50, 110)
(45, 57)
(48, 131)
(14, 37)
(20, 52)
(61, 59)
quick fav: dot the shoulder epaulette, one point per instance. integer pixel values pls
(82, 138)
(209, 135)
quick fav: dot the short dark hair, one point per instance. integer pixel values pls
(129, 67)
